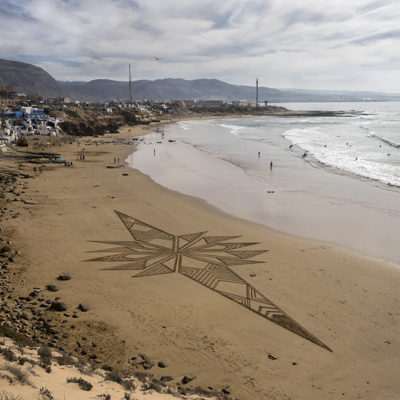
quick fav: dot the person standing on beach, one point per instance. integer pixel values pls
(259, 154)
(270, 165)
(154, 152)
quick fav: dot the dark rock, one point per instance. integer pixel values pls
(5, 249)
(166, 378)
(147, 365)
(58, 306)
(161, 364)
(83, 307)
(272, 357)
(63, 277)
(188, 378)
(144, 357)
(225, 390)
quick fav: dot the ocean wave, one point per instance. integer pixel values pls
(387, 141)
(234, 129)
(353, 160)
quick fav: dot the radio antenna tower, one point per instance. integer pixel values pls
(130, 84)
(257, 92)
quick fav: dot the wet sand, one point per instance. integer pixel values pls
(347, 301)
(297, 196)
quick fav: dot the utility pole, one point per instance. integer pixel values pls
(257, 92)
(130, 84)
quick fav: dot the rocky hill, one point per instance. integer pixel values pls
(29, 79)
(200, 89)
(211, 89)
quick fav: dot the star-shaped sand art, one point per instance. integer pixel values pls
(204, 259)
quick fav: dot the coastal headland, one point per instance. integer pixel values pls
(329, 318)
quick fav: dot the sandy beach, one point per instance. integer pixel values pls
(347, 302)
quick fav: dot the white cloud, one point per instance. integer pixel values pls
(286, 43)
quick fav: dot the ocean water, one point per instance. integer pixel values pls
(336, 179)
(366, 145)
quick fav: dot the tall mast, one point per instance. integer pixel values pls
(257, 92)
(130, 84)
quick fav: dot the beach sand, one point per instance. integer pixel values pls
(348, 301)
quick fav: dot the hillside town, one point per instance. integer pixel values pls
(24, 115)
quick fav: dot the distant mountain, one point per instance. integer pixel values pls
(29, 79)
(211, 89)
(165, 89)
(99, 89)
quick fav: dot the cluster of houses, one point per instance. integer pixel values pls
(150, 107)
(18, 121)
(20, 116)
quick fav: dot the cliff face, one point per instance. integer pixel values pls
(28, 79)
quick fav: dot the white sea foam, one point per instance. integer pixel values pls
(365, 144)
(359, 157)
(234, 129)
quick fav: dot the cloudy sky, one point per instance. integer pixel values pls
(313, 44)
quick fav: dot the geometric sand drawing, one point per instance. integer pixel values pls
(204, 259)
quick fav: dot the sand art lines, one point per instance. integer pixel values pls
(202, 258)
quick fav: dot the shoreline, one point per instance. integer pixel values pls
(297, 198)
(191, 329)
